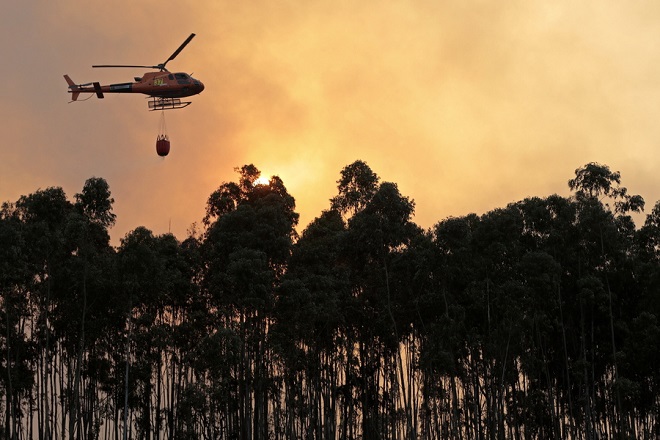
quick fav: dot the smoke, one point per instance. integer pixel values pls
(465, 105)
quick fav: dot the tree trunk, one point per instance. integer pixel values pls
(74, 412)
(126, 368)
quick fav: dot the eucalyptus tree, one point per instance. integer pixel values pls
(85, 286)
(541, 353)
(247, 244)
(64, 251)
(356, 186)
(141, 271)
(479, 312)
(496, 343)
(44, 217)
(640, 367)
(376, 244)
(607, 240)
(178, 324)
(550, 236)
(156, 281)
(383, 233)
(444, 355)
(309, 328)
(497, 296)
(17, 358)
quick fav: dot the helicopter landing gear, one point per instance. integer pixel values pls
(167, 104)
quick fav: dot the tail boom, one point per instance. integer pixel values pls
(77, 89)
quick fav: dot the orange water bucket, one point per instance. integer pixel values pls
(162, 145)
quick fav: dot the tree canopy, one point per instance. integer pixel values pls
(539, 319)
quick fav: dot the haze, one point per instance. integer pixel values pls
(467, 106)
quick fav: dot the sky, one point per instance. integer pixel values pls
(465, 105)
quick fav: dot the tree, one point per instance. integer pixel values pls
(95, 202)
(87, 285)
(146, 295)
(595, 181)
(539, 319)
(357, 185)
(247, 244)
(18, 354)
(612, 231)
(44, 215)
(378, 245)
(309, 327)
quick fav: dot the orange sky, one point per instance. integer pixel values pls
(467, 106)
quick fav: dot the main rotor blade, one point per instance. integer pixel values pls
(122, 65)
(159, 66)
(176, 52)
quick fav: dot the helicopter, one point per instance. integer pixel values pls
(165, 88)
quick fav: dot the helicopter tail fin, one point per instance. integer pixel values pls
(73, 88)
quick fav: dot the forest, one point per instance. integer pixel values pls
(537, 320)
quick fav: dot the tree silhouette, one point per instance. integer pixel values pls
(539, 319)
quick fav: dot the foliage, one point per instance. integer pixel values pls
(536, 320)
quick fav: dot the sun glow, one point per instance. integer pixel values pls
(262, 181)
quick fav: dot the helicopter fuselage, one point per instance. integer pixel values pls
(155, 84)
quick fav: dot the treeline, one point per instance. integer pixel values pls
(538, 320)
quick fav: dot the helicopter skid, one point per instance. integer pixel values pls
(167, 104)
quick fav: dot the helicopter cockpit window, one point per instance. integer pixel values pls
(182, 78)
(170, 76)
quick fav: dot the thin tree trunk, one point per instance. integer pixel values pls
(126, 368)
(10, 422)
(45, 397)
(585, 386)
(571, 416)
(618, 419)
(74, 413)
